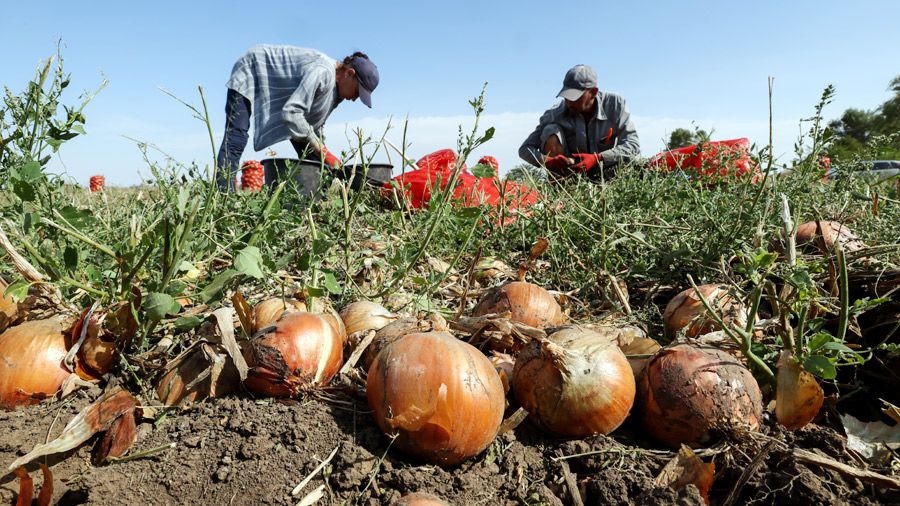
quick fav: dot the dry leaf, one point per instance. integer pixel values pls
(97, 417)
(686, 468)
(46, 494)
(26, 487)
(244, 312)
(891, 411)
(203, 370)
(118, 439)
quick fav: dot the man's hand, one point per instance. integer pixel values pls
(557, 163)
(586, 161)
(330, 160)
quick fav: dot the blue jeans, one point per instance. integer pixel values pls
(237, 126)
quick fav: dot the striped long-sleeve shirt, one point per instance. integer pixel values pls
(292, 90)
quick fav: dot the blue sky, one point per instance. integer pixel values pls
(675, 63)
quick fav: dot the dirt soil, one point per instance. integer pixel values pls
(244, 451)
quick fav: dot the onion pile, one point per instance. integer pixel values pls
(688, 392)
(832, 232)
(529, 304)
(575, 383)
(31, 362)
(686, 310)
(439, 395)
(365, 315)
(302, 351)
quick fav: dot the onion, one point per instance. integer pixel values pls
(302, 351)
(528, 303)
(832, 231)
(31, 362)
(798, 396)
(574, 383)
(9, 309)
(421, 499)
(365, 315)
(504, 364)
(686, 310)
(267, 312)
(399, 328)
(439, 395)
(688, 392)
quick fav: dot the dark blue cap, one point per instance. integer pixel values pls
(366, 76)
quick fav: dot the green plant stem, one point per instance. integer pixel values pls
(81, 237)
(744, 341)
(844, 316)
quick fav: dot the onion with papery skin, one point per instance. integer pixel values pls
(267, 312)
(832, 231)
(798, 396)
(687, 310)
(365, 315)
(421, 499)
(9, 309)
(505, 364)
(439, 395)
(528, 303)
(575, 383)
(303, 351)
(689, 392)
(31, 362)
(399, 328)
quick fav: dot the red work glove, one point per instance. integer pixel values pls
(330, 159)
(586, 161)
(557, 163)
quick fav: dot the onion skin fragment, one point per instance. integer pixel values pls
(529, 304)
(440, 396)
(421, 499)
(687, 393)
(575, 383)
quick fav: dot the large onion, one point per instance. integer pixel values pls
(528, 303)
(832, 232)
(302, 351)
(31, 362)
(688, 392)
(798, 396)
(575, 383)
(439, 395)
(686, 310)
(365, 315)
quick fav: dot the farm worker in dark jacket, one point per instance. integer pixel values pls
(590, 132)
(291, 91)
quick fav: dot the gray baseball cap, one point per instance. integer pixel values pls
(367, 76)
(578, 79)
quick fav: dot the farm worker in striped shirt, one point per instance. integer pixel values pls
(589, 132)
(290, 91)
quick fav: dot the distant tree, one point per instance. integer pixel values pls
(523, 173)
(681, 137)
(869, 134)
